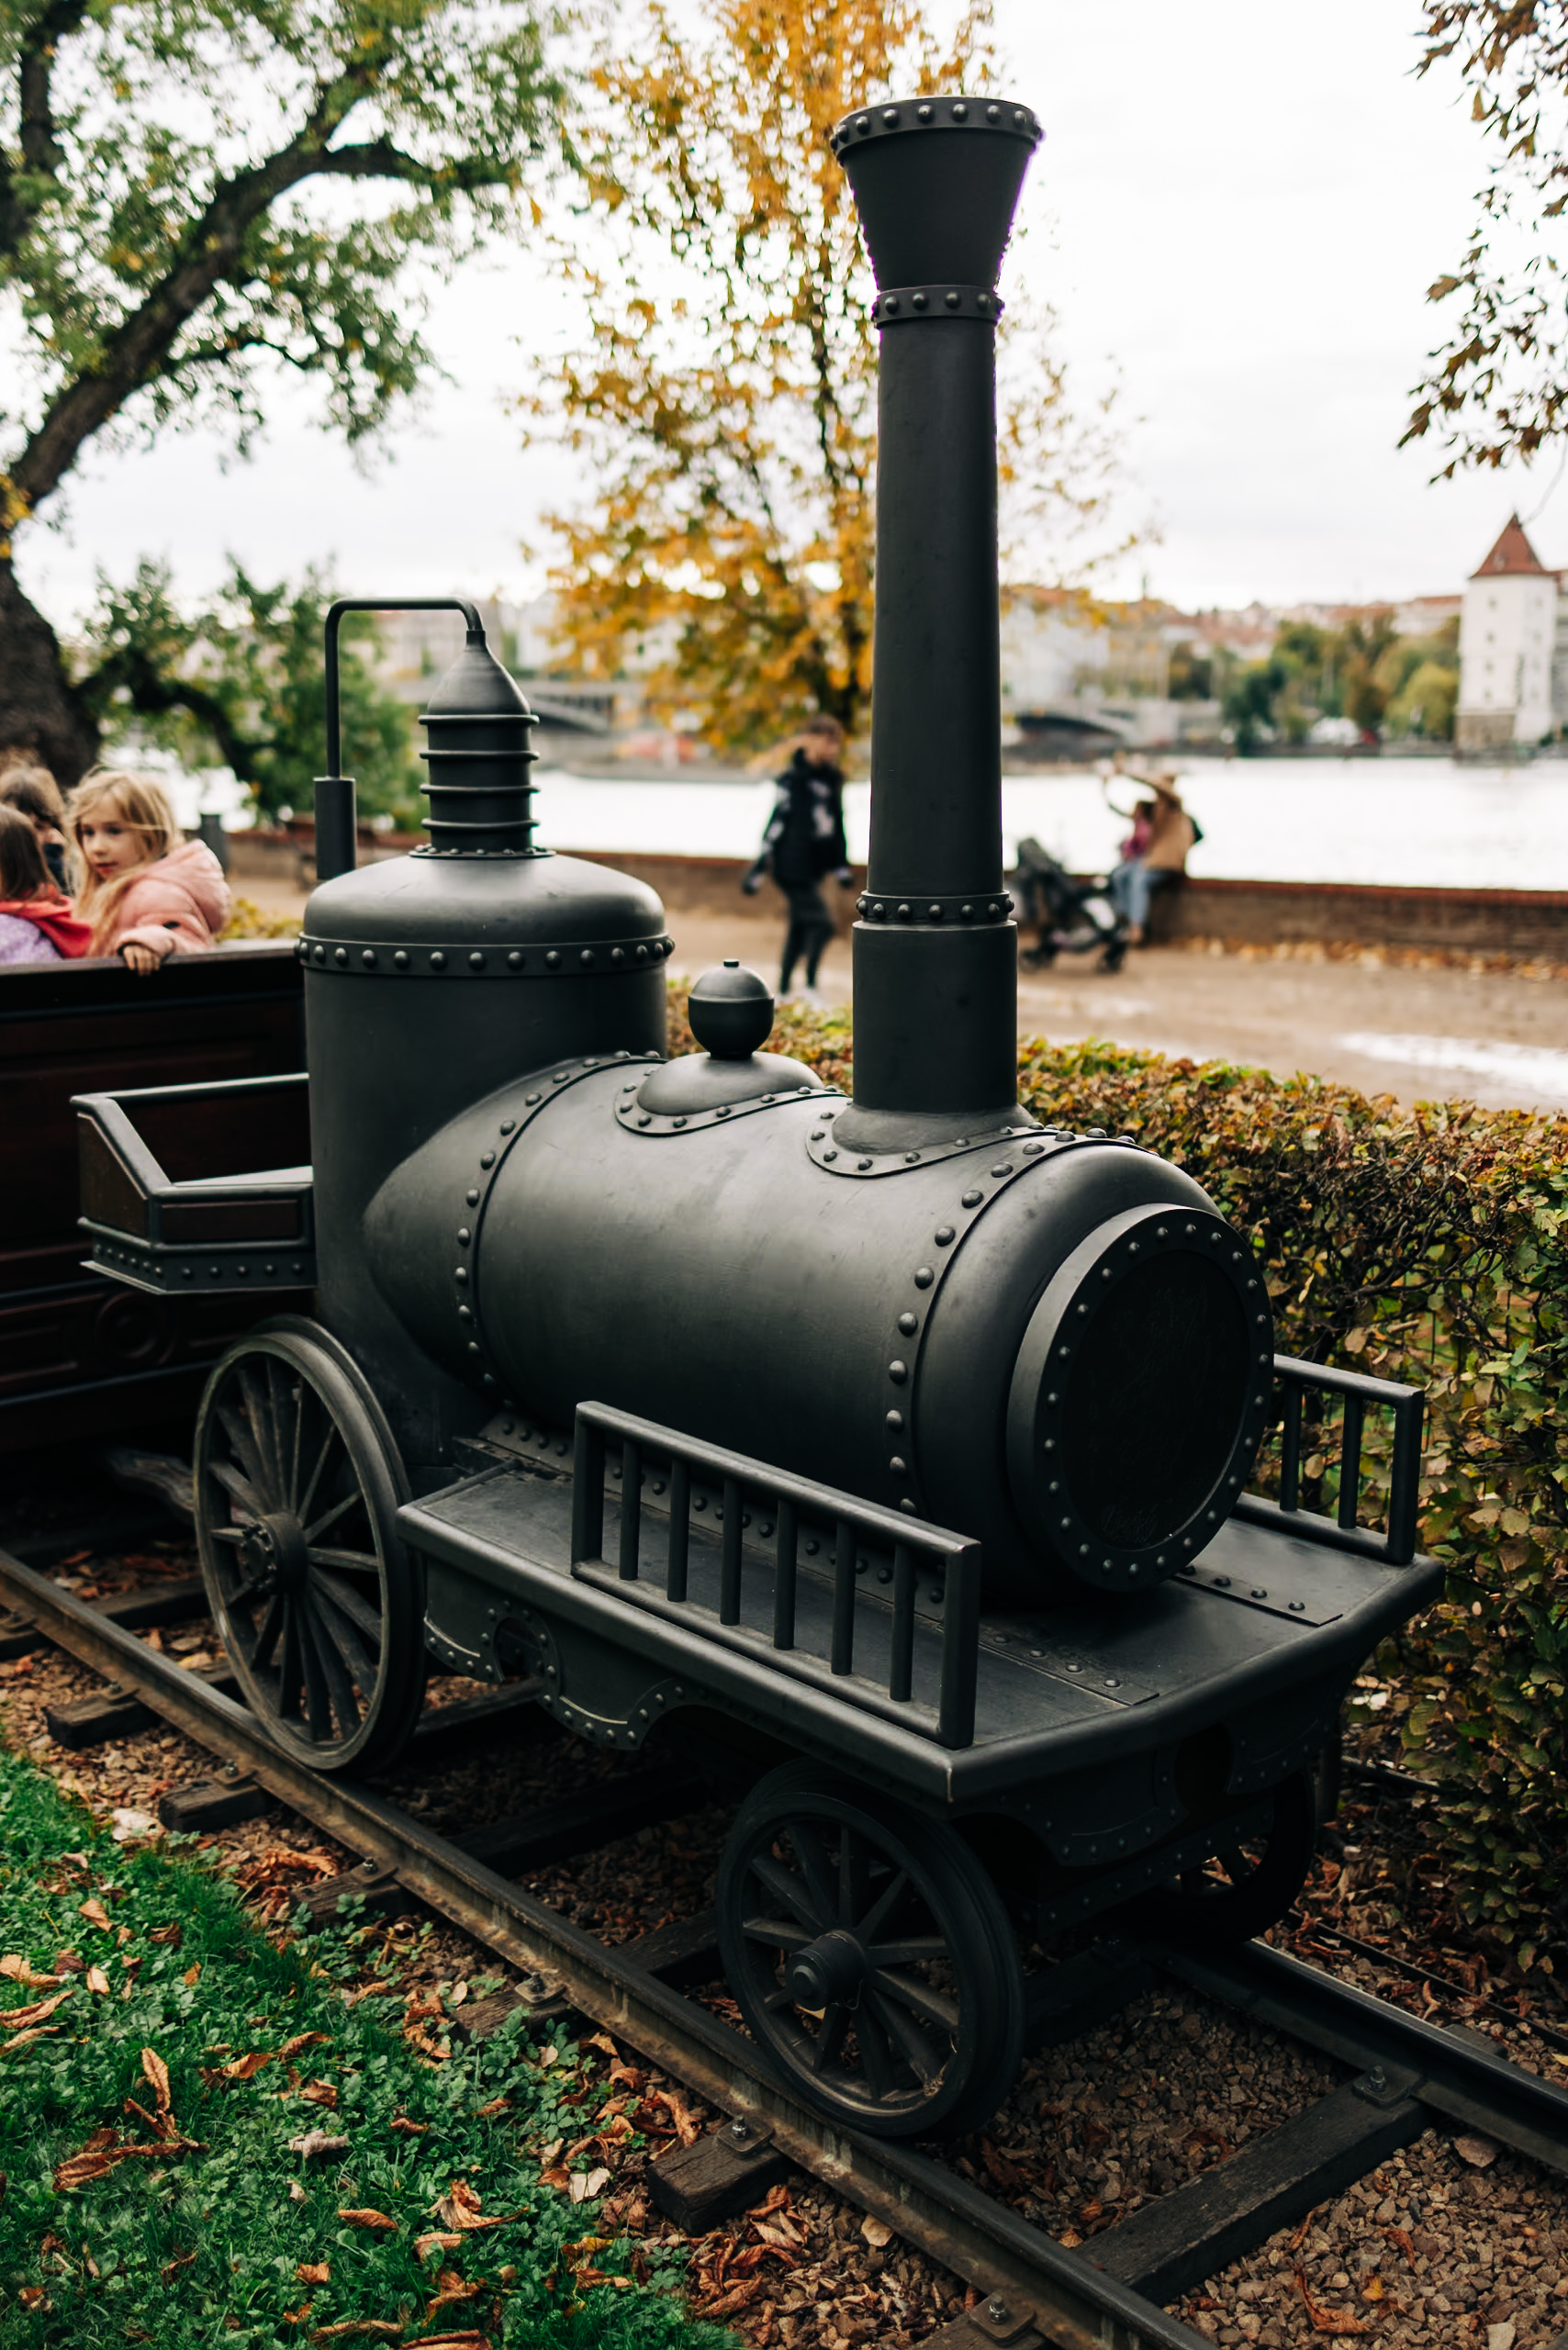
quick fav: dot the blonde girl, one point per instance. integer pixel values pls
(147, 891)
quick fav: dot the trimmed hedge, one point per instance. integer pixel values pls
(1430, 1247)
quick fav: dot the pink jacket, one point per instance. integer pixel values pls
(175, 904)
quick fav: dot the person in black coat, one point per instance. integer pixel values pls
(804, 843)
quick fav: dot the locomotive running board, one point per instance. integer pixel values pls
(1073, 2304)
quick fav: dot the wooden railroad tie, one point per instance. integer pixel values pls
(203, 1805)
(722, 2173)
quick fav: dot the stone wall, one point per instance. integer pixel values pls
(1517, 922)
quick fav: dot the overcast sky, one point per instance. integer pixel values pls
(1239, 204)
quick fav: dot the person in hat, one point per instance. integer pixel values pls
(1155, 855)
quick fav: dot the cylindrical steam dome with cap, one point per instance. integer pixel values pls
(434, 977)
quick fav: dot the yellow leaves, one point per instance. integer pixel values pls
(95, 1914)
(99, 1981)
(314, 2272)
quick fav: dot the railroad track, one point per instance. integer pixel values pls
(1401, 2073)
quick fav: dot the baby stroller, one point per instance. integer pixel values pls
(1072, 917)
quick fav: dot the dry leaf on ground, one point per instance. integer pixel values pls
(435, 2240)
(38, 2011)
(245, 2068)
(96, 1913)
(401, 2122)
(99, 1981)
(18, 1969)
(1326, 2321)
(728, 2303)
(364, 2216)
(459, 2208)
(155, 2073)
(315, 2272)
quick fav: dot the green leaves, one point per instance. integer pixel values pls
(167, 221)
(241, 682)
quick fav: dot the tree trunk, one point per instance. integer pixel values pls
(39, 708)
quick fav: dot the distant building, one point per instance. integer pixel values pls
(1513, 648)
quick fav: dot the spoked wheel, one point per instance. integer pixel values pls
(871, 1955)
(1249, 1884)
(298, 1484)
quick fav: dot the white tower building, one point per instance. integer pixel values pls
(1507, 635)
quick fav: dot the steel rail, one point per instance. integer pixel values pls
(1077, 2306)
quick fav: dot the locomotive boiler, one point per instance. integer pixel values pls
(894, 1447)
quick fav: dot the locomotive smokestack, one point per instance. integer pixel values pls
(935, 182)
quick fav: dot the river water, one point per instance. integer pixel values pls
(1423, 823)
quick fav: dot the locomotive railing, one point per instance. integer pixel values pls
(1299, 1380)
(798, 1505)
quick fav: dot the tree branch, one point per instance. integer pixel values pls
(41, 154)
(155, 695)
(138, 350)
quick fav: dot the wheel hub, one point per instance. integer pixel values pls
(827, 1973)
(274, 1554)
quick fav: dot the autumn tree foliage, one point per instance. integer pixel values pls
(724, 400)
(199, 196)
(1497, 384)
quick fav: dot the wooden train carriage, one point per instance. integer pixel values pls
(80, 1355)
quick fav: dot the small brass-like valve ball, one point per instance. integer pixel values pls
(730, 1010)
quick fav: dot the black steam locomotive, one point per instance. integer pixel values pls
(895, 1447)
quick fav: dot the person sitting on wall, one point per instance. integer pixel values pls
(149, 893)
(1155, 854)
(34, 790)
(803, 843)
(37, 925)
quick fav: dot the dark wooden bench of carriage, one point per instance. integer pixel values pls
(80, 1355)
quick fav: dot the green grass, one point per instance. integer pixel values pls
(202, 2244)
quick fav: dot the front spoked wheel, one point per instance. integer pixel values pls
(871, 1955)
(297, 1486)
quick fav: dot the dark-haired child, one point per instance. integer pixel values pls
(37, 925)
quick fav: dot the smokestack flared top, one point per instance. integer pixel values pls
(937, 208)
